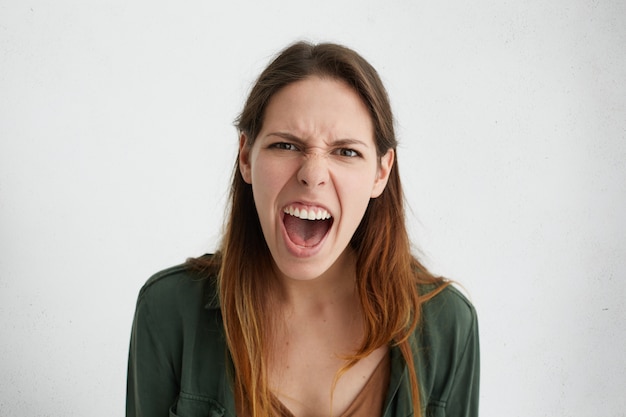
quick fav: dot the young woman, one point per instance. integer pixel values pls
(314, 304)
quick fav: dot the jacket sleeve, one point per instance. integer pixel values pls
(463, 395)
(152, 386)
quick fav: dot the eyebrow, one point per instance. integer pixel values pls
(298, 141)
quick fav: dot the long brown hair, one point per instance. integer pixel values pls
(388, 275)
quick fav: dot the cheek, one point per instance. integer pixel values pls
(269, 177)
(355, 181)
(354, 188)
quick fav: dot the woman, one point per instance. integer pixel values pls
(314, 305)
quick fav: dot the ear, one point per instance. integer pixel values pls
(384, 170)
(244, 159)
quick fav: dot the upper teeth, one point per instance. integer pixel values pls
(310, 214)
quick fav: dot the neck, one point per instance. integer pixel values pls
(334, 289)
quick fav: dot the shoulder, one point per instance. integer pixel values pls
(447, 343)
(177, 344)
(448, 353)
(178, 290)
(448, 321)
(448, 308)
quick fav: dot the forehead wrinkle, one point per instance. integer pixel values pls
(303, 127)
(301, 112)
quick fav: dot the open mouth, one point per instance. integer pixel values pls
(306, 227)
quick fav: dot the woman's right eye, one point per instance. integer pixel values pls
(284, 146)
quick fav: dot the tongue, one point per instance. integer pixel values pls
(306, 232)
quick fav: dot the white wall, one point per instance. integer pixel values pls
(116, 146)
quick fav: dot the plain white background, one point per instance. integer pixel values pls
(116, 146)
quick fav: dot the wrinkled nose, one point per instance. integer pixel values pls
(314, 171)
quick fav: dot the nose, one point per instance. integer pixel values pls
(314, 170)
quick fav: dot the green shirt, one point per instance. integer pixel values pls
(179, 366)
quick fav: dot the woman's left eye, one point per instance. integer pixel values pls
(350, 153)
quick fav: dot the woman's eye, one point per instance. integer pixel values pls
(284, 146)
(350, 153)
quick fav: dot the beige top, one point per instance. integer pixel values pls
(371, 397)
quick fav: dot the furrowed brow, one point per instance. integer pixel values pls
(349, 142)
(287, 136)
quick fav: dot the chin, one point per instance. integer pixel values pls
(314, 267)
(307, 270)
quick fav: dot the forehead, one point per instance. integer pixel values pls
(319, 106)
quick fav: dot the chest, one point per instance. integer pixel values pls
(311, 381)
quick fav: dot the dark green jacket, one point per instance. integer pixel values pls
(178, 363)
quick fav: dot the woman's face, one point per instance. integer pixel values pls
(313, 169)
